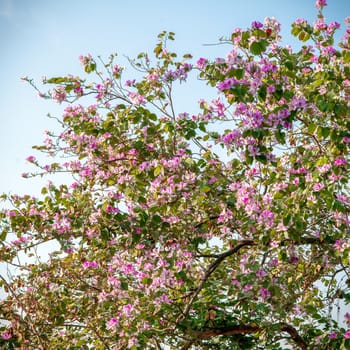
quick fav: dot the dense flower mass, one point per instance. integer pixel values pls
(224, 229)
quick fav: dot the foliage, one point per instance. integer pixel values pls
(228, 229)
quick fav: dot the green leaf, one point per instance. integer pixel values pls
(257, 47)
(205, 188)
(80, 343)
(262, 93)
(158, 49)
(323, 132)
(322, 105)
(153, 116)
(156, 220)
(124, 285)
(281, 137)
(238, 73)
(346, 344)
(289, 65)
(158, 170)
(202, 127)
(147, 281)
(295, 30)
(311, 128)
(346, 56)
(56, 80)
(89, 68)
(3, 234)
(303, 36)
(278, 93)
(286, 219)
(190, 134)
(317, 83)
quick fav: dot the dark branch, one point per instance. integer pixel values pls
(211, 268)
(294, 335)
(248, 329)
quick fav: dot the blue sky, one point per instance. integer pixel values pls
(44, 38)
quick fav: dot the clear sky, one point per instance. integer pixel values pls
(44, 38)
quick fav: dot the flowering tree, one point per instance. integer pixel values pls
(227, 229)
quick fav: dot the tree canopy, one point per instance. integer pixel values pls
(225, 229)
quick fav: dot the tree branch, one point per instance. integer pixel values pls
(29, 323)
(247, 329)
(211, 268)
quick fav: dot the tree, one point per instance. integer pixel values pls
(228, 229)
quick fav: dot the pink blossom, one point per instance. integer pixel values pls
(78, 90)
(329, 51)
(272, 23)
(6, 335)
(340, 161)
(112, 323)
(61, 224)
(335, 177)
(320, 4)
(225, 215)
(133, 342)
(333, 26)
(111, 209)
(30, 159)
(324, 168)
(116, 71)
(130, 82)
(332, 335)
(271, 89)
(261, 273)
(136, 99)
(296, 181)
(86, 173)
(318, 186)
(314, 59)
(294, 259)
(247, 288)
(128, 269)
(340, 245)
(257, 25)
(342, 198)
(127, 309)
(347, 318)
(172, 219)
(231, 137)
(201, 63)
(163, 299)
(100, 91)
(264, 293)
(274, 262)
(267, 217)
(90, 264)
(85, 59)
(347, 335)
(20, 240)
(300, 21)
(235, 282)
(59, 94)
